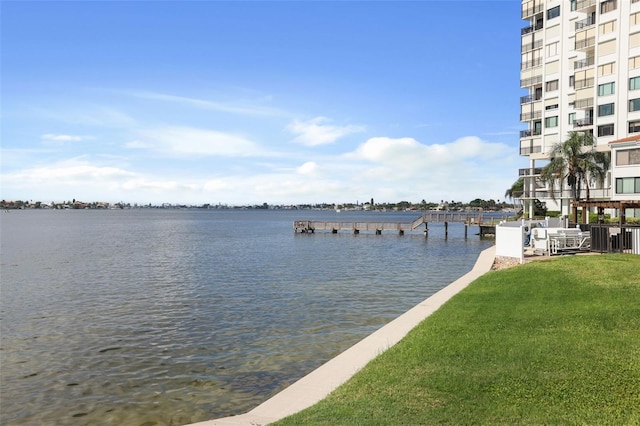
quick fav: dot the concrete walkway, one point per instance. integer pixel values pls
(320, 382)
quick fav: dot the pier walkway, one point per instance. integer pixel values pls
(469, 219)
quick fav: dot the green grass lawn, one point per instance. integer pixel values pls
(552, 342)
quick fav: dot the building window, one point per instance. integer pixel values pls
(572, 117)
(607, 89)
(634, 127)
(551, 121)
(606, 109)
(554, 106)
(550, 86)
(554, 12)
(605, 130)
(634, 105)
(572, 79)
(607, 27)
(634, 83)
(628, 185)
(581, 84)
(608, 6)
(628, 157)
(552, 49)
(537, 127)
(606, 69)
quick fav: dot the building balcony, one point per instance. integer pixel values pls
(531, 46)
(532, 28)
(532, 149)
(583, 4)
(583, 122)
(528, 116)
(531, 64)
(533, 10)
(543, 192)
(583, 103)
(530, 132)
(583, 63)
(529, 195)
(586, 23)
(582, 84)
(608, 6)
(530, 98)
(532, 81)
(599, 192)
(585, 43)
(527, 172)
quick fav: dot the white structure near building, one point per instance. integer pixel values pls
(552, 236)
(581, 68)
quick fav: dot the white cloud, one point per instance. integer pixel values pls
(145, 184)
(218, 185)
(464, 169)
(136, 144)
(87, 181)
(317, 132)
(389, 150)
(472, 146)
(413, 155)
(504, 133)
(308, 168)
(387, 169)
(235, 107)
(188, 141)
(74, 172)
(88, 115)
(75, 178)
(64, 138)
(292, 187)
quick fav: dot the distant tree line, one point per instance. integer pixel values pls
(476, 204)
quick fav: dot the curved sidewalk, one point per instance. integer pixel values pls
(320, 382)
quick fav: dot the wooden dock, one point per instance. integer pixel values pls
(421, 224)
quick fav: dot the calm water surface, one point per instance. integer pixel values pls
(166, 317)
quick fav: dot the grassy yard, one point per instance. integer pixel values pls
(550, 342)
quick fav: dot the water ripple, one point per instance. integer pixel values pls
(171, 317)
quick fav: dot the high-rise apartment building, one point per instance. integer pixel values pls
(581, 68)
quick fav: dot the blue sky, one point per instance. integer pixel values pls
(245, 102)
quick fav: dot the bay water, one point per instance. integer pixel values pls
(166, 317)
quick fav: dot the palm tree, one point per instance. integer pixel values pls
(576, 162)
(516, 190)
(595, 169)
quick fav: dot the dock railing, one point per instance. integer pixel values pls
(310, 226)
(466, 217)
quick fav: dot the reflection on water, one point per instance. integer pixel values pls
(152, 317)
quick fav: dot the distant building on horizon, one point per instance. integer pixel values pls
(580, 64)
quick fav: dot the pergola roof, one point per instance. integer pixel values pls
(608, 204)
